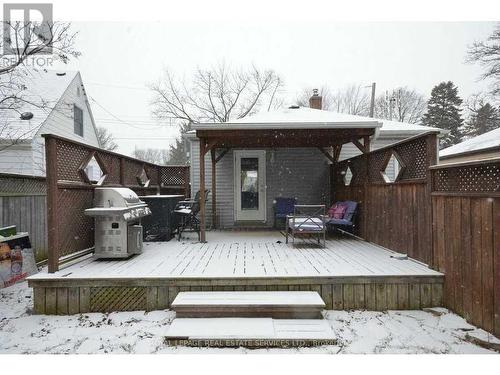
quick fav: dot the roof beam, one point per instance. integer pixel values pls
(221, 155)
(285, 133)
(363, 147)
(327, 154)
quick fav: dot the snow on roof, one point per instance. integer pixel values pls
(42, 89)
(484, 141)
(305, 117)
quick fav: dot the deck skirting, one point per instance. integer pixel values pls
(377, 293)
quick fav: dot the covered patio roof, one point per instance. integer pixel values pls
(291, 128)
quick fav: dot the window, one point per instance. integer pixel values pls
(78, 116)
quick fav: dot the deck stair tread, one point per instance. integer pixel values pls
(264, 304)
(305, 331)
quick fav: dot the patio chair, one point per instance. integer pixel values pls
(188, 215)
(307, 220)
(282, 208)
(347, 221)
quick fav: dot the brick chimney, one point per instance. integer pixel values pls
(316, 101)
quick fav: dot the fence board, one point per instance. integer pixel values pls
(22, 203)
(496, 265)
(443, 215)
(394, 215)
(69, 191)
(468, 253)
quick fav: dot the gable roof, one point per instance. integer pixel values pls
(43, 90)
(484, 141)
(309, 118)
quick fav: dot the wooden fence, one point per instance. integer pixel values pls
(447, 216)
(396, 215)
(23, 204)
(466, 242)
(69, 191)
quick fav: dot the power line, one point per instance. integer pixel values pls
(139, 123)
(118, 86)
(116, 117)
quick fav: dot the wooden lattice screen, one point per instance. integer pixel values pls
(395, 214)
(466, 238)
(446, 215)
(69, 191)
(21, 185)
(476, 177)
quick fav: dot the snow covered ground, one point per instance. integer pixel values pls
(140, 332)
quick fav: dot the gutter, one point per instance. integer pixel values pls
(286, 125)
(470, 152)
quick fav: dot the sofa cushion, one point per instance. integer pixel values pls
(339, 222)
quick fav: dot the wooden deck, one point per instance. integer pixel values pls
(348, 273)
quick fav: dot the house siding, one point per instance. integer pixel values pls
(61, 122)
(17, 159)
(302, 173)
(30, 159)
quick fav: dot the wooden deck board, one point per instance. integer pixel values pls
(236, 254)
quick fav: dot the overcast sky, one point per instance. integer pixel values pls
(120, 58)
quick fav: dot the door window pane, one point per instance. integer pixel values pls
(249, 183)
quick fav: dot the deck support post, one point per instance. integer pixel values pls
(366, 146)
(214, 189)
(202, 189)
(52, 201)
(432, 159)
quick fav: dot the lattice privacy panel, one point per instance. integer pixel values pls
(413, 154)
(70, 157)
(74, 192)
(174, 176)
(109, 299)
(22, 185)
(76, 230)
(482, 177)
(112, 165)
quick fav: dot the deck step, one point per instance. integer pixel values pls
(278, 305)
(249, 332)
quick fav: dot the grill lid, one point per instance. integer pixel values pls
(118, 201)
(116, 197)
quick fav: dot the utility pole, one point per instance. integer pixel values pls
(372, 103)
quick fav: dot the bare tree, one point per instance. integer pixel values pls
(217, 94)
(26, 43)
(403, 104)
(152, 155)
(29, 39)
(106, 139)
(353, 99)
(487, 54)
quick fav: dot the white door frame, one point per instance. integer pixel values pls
(250, 215)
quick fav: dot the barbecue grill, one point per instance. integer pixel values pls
(118, 229)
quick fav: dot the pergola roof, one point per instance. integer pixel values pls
(294, 118)
(291, 127)
(284, 137)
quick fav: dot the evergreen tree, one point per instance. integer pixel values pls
(482, 120)
(178, 151)
(443, 111)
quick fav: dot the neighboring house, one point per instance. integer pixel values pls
(303, 173)
(62, 108)
(484, 146)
